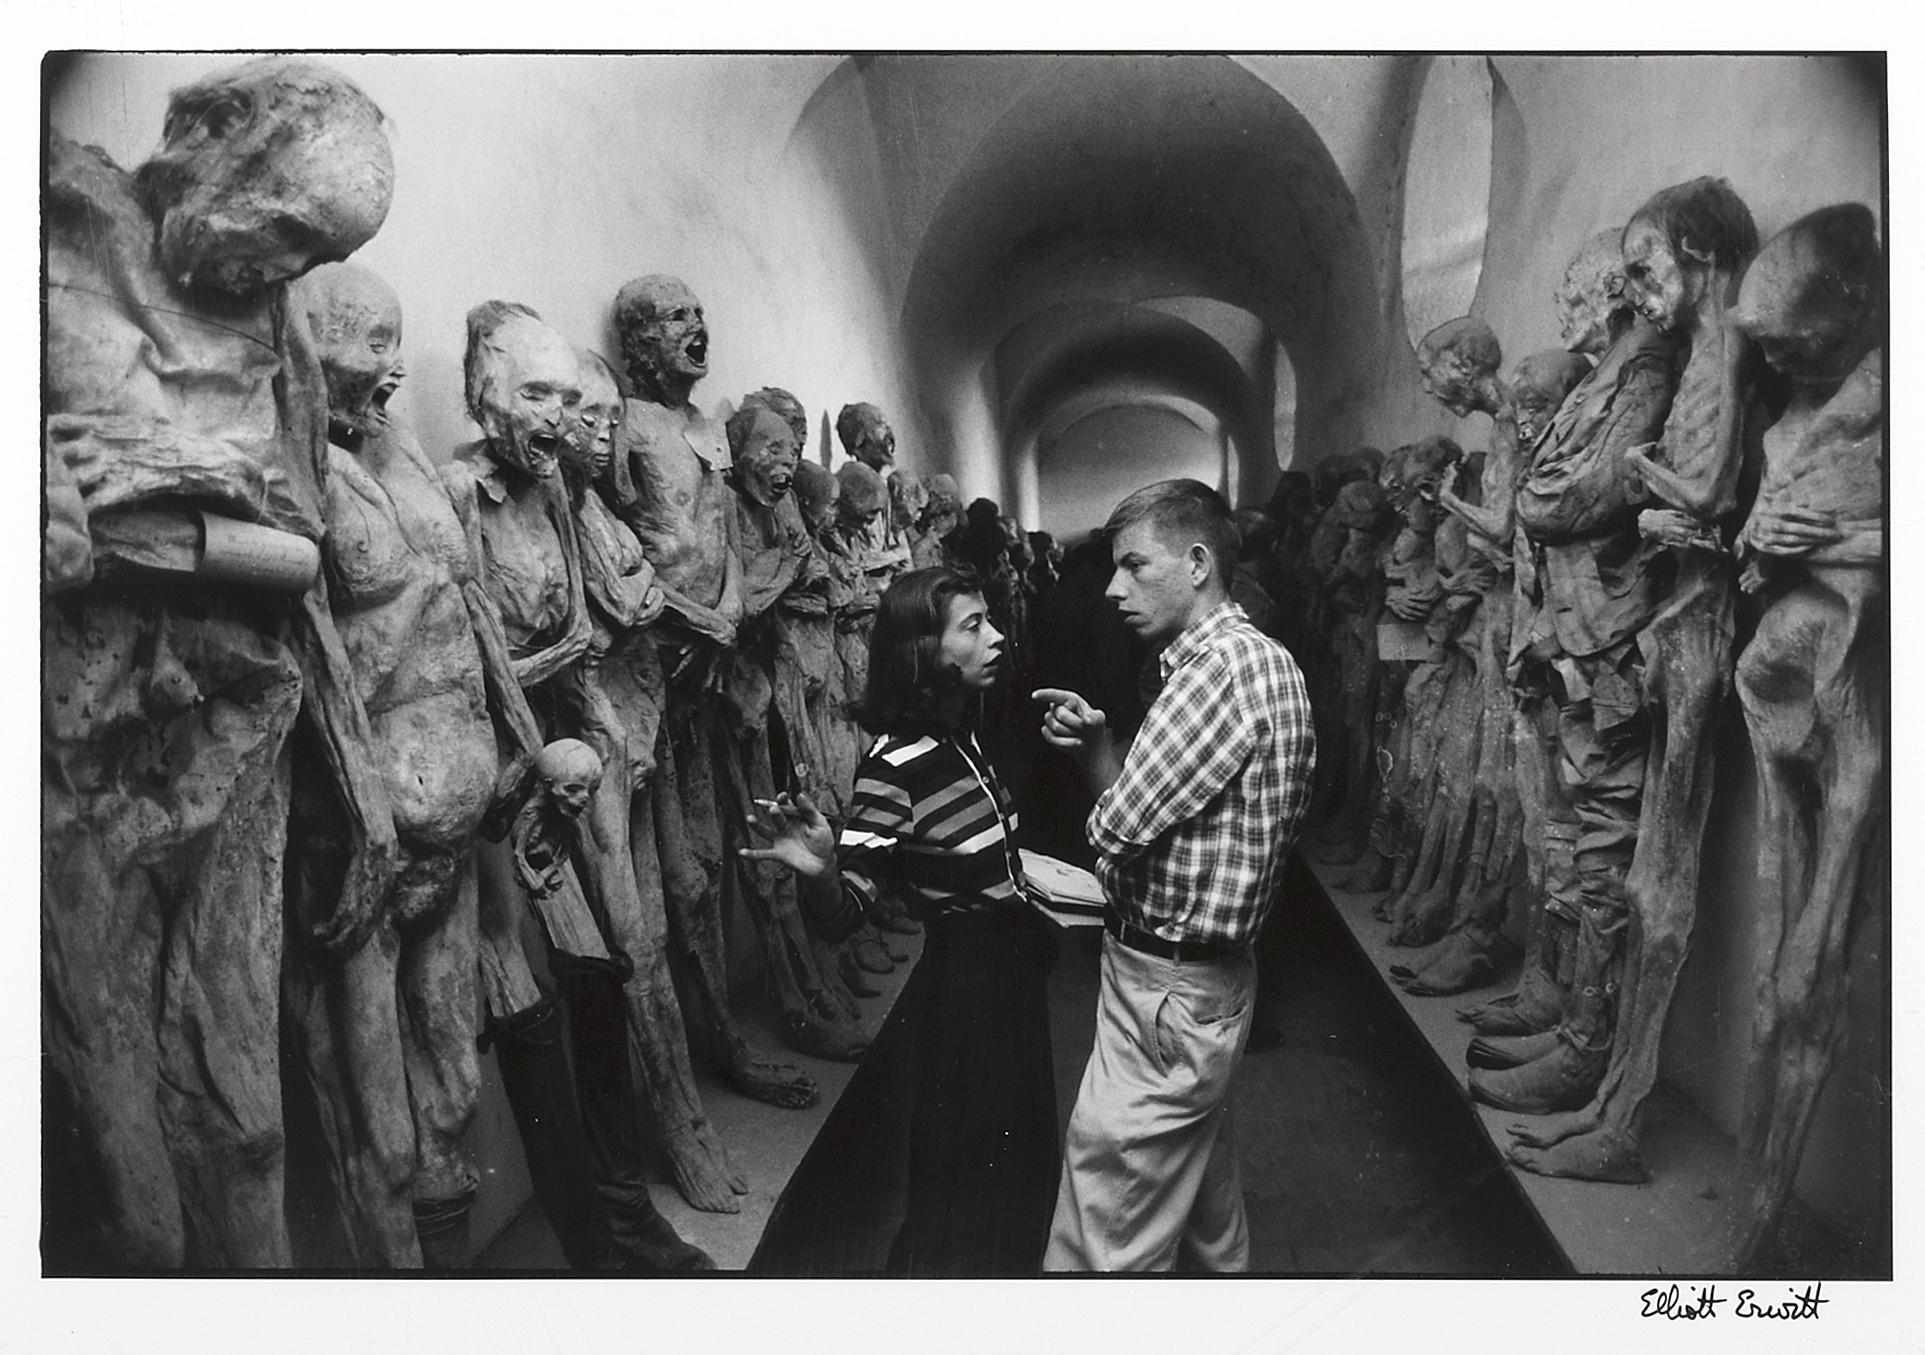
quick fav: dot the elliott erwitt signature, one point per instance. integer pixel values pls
(1667, 1303)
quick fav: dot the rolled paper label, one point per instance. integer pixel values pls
(1402, 640)
(265, 557)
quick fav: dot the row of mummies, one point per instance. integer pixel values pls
(1519, 659)
(537, 681)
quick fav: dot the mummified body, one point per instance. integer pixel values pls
(524, 388)
(869, 440)
(580, 1124)
(668, 483)
(1441, 696)
(942, 514)
(1684, 251)
(1346, 598)
(1585, 591)
(1494, 835)
(184, 397)
(387, 1033)
(819, 734)
(802, 623)
(1412, 590)
(778, 563)
(1460, 365)
(1814, 676)
(860, 508)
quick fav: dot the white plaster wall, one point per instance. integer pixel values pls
(1085, 471)
(1595, 136)
(552, 180)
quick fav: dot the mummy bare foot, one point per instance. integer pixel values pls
(703, 1174)
(1604, 1154)
(1547, 1130)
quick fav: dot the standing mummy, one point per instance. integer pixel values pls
(186, 414)
(1684, 251)
(1814, 677)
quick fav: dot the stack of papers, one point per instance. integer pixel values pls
(1067, 895)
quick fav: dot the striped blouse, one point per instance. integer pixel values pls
(930, 821)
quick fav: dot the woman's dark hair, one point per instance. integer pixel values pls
(907, 680)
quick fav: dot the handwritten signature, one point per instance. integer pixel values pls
(1670, 1304)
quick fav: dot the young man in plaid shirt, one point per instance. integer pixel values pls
(1191, 828)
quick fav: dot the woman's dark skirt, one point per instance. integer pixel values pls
(983, 1149)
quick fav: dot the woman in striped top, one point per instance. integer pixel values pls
(930, 821)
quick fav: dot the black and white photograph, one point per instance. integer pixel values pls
(731, 667)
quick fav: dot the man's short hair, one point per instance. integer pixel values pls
(1182, 513)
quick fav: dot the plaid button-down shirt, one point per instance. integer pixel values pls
(1191, 837)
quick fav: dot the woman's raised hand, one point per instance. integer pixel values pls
(799, 836)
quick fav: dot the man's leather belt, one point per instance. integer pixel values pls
(1152, 944)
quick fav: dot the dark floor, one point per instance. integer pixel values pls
(1358, 1156)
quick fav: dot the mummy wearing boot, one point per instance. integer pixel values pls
(1684, 252)
(524, 389)
(614, 1222)
(1585, 591)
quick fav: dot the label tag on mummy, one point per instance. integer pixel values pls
(244, 552)
(187, 541)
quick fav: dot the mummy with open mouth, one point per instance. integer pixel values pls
(378, 404)
(544, 450)
(355, 318)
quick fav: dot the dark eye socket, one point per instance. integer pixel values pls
(295, 234)
(219, 118)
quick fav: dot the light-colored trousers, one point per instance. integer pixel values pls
(1150, 1174)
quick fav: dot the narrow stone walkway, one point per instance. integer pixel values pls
(1357, 1159)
